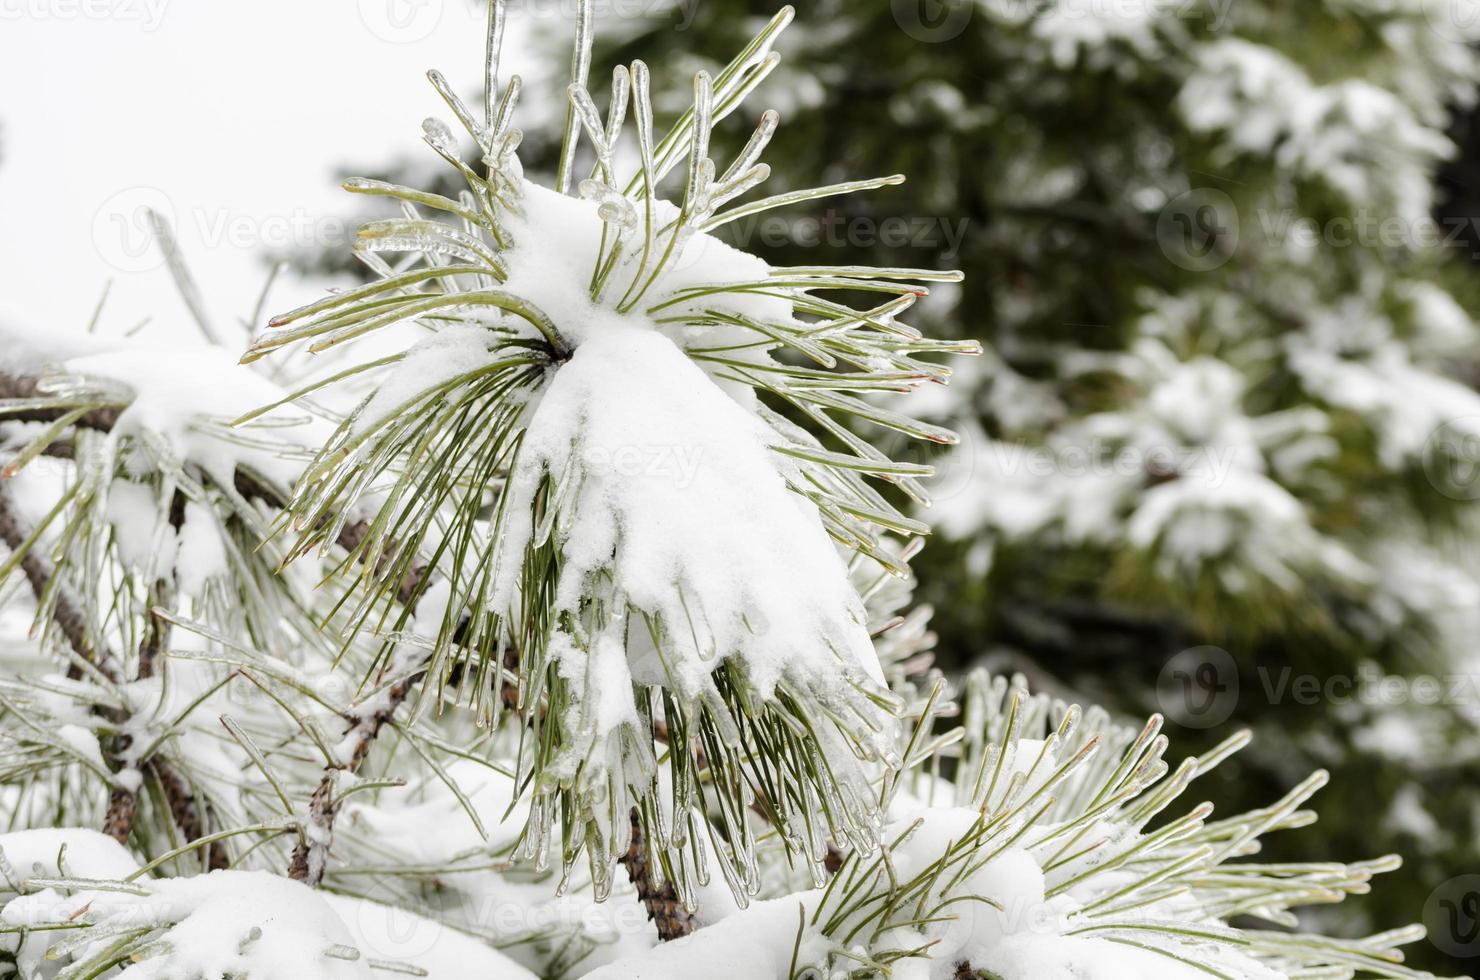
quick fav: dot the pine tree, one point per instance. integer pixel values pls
(1223, 424)
(593, 586)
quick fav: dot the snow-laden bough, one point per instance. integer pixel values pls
(630, 449)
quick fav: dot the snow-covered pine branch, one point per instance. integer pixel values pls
(602, 381)
(619, 483)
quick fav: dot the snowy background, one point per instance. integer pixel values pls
(234, 119)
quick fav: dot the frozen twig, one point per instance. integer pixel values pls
(312, 852)
(662, 903)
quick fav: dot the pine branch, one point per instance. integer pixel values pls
(181, 803)
(24, 386)
(65, 614)
(21, 387)
(311, 855)
(662, 902)
(118, 821)
(122, 808)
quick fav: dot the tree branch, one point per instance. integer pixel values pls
(65, 614)
(312, 853)
(662, 903)
(22, 386)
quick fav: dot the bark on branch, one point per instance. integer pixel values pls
(663, 906)
(311, 855)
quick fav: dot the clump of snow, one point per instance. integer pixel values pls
(394, 820)
(1183, 473)
(670, 489)
(173, 393)
(1094, 28)
(524, 917)
(202, 553)
(226, 923)
(148, 545)
(1350, 357)
(1362, 140)
(556, 239)
(387, 933)
(82, 853)
(755, 944)
(1005, 925)
(453, 350)
(174, 390)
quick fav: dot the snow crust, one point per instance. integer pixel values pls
(175, 388)
(671, 487)
(1010, 929)
(84, 853)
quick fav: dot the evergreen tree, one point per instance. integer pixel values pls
(1223, 428)
(575, 585)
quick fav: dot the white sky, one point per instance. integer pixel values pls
(232, 117)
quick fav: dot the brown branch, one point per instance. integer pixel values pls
(312, 853)
(21, 386)
(65, 615)
(308, 857)
(662, 903)
(118, 820)
(181, 803)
